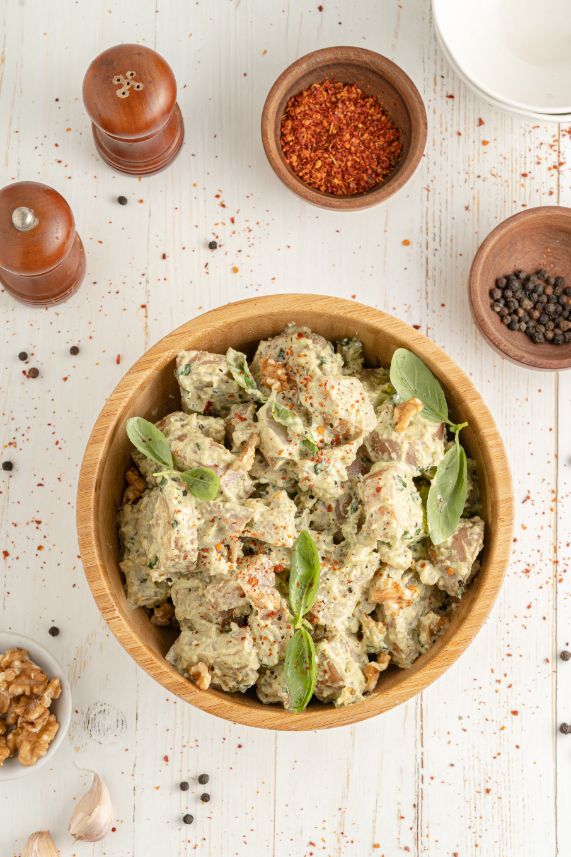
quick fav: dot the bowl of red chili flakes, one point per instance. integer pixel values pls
(344, 128)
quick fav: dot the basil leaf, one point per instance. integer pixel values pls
(300, 669)
(304, 575)
(412, 378)
(283, 415)
(202, 482)
(149, 440)
(238, 368)
(309, 445)
(447, 495)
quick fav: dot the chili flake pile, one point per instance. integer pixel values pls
(339, 140)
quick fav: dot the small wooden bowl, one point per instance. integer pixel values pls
(375, 75)
(532, 239)
(149, 389)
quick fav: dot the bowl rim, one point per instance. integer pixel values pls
(484, 320)
(386, 68)
(439, 15)
(269, 716)
(44, 658)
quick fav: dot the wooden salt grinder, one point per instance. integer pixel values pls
(129, 92)
(42, 260)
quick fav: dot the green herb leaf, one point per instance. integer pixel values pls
(202, 482)
(149, 440)
(412, 378)
(300, 669)
(447, 494)
(309, 445)
(283, 415)
(238, 368)
(303, 576)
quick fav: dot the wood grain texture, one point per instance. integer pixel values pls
(149, 390)
(375, 75)
(452, 769)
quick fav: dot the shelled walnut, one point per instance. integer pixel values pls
(27, 726)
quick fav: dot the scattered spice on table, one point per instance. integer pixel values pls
(213, 245)
(33, 372)
(74, 350)
(8, 465)
(188, 818)
(203, 779)
(565, 728)
(23, 355)
(565, 655)
(538, 305)
(339, 140)
(53, 631)
(184, 786)
(122, 200)
(204, 797)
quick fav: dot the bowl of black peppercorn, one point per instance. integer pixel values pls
(520, 288)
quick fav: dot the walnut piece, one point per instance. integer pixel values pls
(373, 669)
(245, 458)
(27, 726)
(162, 614)
(136, 486)
(404, 412)
(274, 374)
(200, 675)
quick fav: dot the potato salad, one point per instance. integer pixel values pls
(301, 439)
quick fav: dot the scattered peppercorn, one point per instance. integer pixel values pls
(188, 818)
(53, 631)
(184, 787)
(7, 465)
(565, 655)
(122, 200)
(33, 372)
(339, 140)
(565, 728)
(23, 355)
(74, 350)
(203, 779)
(205, 797)
(213, 245)
(535, 304)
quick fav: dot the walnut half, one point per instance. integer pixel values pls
(404, 413)
(200, 675)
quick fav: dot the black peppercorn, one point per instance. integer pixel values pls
(188, 818)
(184, 786)
(7, 465)
(122, 200)
(74, 350)
(23, 355)
(495, 293)
(501, 281)
(212, 245)
(565, 728)
(565, 655)
(53, 631)
(203, 779)
(33, 372)
(205, 797)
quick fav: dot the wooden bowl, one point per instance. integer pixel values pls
(532, 239)
(375, 75)
(149, 389)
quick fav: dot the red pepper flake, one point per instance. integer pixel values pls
(405, 242)
(165, 759)
(118, 359)
(5, 554)
(485, 142)
(339, 140)
(480, 122)
(235, 269)
(515, 713)
(449, 95)
(164, 256)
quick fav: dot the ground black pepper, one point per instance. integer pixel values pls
(535, 304)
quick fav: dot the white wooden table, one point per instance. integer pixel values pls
(473, 766)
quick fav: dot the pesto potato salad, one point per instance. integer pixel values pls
(303, 521)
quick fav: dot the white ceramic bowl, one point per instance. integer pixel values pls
(12, 769)
(516, 51)
(542, 117)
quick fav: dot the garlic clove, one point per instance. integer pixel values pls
(93, 816)
(40, 844)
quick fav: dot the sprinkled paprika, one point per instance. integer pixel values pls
(339, 140)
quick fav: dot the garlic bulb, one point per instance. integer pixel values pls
(93, 816)
(40, 844)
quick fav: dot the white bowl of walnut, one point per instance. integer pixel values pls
(35, 705)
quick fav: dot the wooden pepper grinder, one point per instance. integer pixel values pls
(42, 260)
(129, 92)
